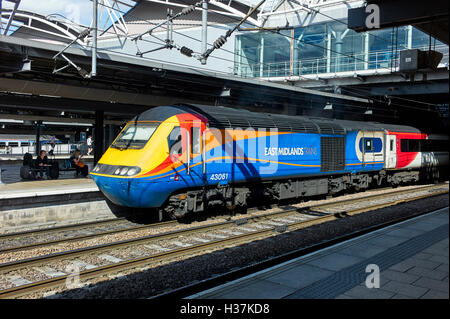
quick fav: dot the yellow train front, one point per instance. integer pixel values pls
(147, 161)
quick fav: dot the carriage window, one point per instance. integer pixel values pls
(174, 141)
(391, 145)
(369, 145)
(414, 145)
(195, 140)
(410, 145)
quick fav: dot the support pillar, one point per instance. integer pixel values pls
(329, 34)
(339, 42)
(366, 50)
(410, 32)
(238, 57)
(99, 136)
(291, 55)
(261, 57)
(204, 29)
(37, 147)
(94, 38)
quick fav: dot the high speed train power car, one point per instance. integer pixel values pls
(182, 159)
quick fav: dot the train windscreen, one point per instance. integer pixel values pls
(134, 136)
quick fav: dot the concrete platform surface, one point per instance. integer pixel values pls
(19, 157)
(11, 172)
(47, 187)
(406, 260)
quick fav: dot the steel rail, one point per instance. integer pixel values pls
(192, 289)
(85, 237)
(34, 232)
(374, 196)
(132, 263)
(133, 241)
(311, 207)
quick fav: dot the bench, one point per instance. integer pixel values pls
(29, 170)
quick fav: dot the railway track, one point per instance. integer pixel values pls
(40, 273)
(85, 231)
(64, 234)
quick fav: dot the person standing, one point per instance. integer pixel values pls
(89, 143)
(52, 144)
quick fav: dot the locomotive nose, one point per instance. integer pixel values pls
(131, 192)
(121, 192)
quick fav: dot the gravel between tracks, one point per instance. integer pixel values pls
(103, 239)
(163, 276)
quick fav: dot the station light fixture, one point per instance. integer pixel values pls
(328, 106)
(225, 92)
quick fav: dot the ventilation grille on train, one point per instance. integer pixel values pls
(332, 153)
(220, 117)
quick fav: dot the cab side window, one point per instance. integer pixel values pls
(196, 140)
(174, 141)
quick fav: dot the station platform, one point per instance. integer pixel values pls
(412, 258)
(31, 205)
(19, 157)
(11, 172)
(47, 187)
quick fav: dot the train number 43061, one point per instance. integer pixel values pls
(219, 177)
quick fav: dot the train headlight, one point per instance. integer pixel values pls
(117, 172)
(124, 170)
(132, 171)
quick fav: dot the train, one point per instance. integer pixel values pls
(182, 159)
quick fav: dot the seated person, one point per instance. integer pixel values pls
(75, 161)
(42, 164)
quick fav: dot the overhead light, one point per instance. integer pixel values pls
(11, 121)
(328, 106)
(3, 126)
(368, 112)
(225, 93)
(66, 123)
(62, 113)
